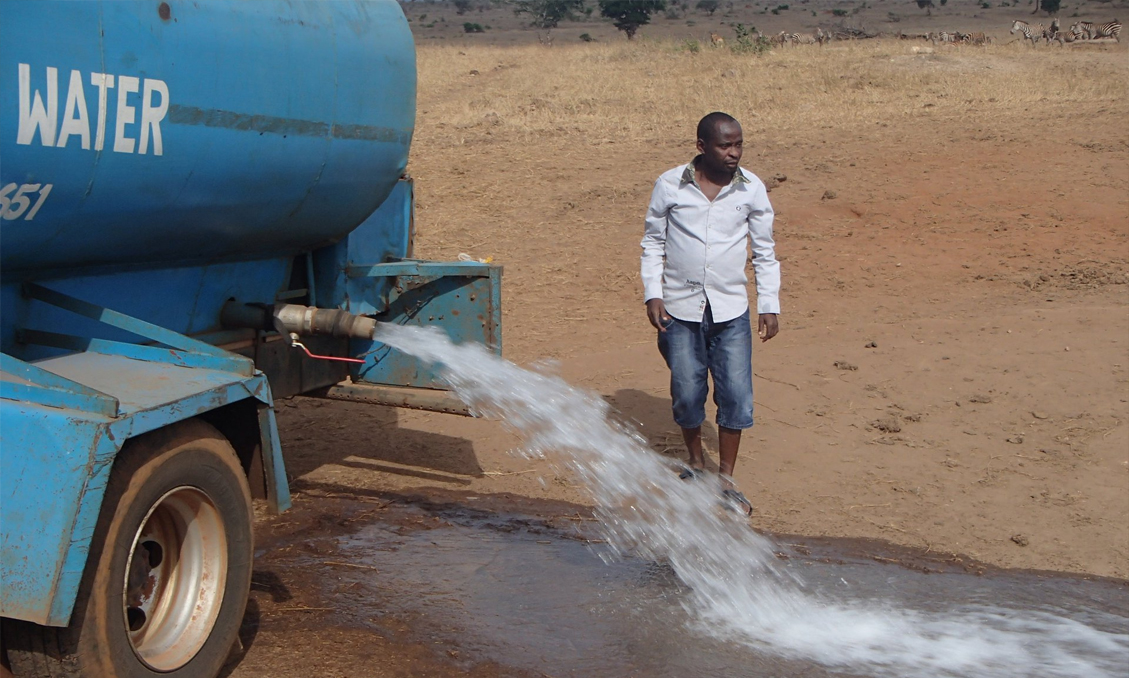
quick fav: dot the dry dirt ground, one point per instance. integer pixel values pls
(952, 372)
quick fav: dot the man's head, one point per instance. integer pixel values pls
(720, 142)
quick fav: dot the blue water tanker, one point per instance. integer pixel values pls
(203, 208)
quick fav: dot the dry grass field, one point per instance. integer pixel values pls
(967, 209)
(545, 149)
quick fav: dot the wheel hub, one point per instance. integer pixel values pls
(175, 579)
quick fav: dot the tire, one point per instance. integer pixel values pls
(169, 570)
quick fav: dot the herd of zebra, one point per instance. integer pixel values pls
(956, 37)
(1083, 30)
(819, 37)
(785, 38)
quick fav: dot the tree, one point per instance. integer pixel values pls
(629, 15)
(708, 6)
(1050, 6)
(461, 6)
(544, 15)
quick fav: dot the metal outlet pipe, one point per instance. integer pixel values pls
(288, 319)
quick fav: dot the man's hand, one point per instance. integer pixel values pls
(656, 313)
(767, 326)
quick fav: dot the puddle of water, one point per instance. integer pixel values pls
(737, 595)
(535, 601)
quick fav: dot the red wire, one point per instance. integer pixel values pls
(326, 357)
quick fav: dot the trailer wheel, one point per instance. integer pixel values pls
(166, 582)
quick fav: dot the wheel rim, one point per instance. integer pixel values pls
(175, 578)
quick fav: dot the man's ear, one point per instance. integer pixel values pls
(701, 146)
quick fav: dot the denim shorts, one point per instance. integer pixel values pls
(725, 351)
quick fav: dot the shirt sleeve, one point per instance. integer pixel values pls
(765, 265)
(654, 243)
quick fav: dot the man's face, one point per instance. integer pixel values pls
(723, 150)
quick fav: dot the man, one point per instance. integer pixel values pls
(701, 217)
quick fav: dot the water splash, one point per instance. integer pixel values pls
(738, 591)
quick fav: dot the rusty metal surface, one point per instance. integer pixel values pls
(394, 396)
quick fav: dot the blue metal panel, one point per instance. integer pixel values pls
(281, 126)
(54, 464)
(24, 381)
(52, 477)
(185, 300)
(463, 298)
(65, 418)
(223, 361)
(133, 325)
(384, 236)
(278, 491)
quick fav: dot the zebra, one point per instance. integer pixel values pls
(786, 38)
(1110, 29)
(1050, 32)
(1063, 37)
(1085, 30)
(821, 37)
(1032, 33)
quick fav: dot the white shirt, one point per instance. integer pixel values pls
(694, 250)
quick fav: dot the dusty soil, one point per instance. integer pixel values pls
(952, 372)
(976, 281)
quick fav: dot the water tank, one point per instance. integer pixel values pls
(154, 133)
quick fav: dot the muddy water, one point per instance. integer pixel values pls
(509, 590)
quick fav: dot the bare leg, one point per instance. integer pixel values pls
(728, 442)
(693, 439)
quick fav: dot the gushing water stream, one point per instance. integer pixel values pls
(738, 591)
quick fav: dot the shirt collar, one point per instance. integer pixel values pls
(690, 175)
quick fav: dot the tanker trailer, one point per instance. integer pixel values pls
(203, 207)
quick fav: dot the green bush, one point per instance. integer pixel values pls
(587, 38)
(691, 45)
(748, 42)
(468, 27)
(629, 15)
(708, 6)
(839, 12)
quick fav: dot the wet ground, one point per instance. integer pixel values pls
(458, 584)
